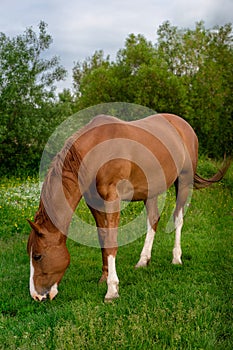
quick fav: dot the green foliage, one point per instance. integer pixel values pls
(28, 109)
(188, 72)
(138, 76)
(160, 307)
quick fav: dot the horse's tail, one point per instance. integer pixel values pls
(200, 182)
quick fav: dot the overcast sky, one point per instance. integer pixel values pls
(79, 27)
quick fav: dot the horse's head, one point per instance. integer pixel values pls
(49, 259)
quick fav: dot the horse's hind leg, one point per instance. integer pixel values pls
(152, 223)
(177, 252)
(182, 192)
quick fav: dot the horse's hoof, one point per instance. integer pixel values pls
(138, 265)
(177, 261)
(144, 263)
(110, 299)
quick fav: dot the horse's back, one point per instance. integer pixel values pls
(112, 150)
(156, 133)
(162, 125)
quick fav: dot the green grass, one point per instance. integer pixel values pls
(160, 307)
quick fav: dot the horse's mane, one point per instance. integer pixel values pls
(65, 161)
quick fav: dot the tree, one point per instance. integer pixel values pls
(138, 76)
(203, 60)
(187, 72)
(27, 96)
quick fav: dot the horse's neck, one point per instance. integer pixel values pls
(71, 189)
(60, 196)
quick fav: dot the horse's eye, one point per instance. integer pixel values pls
(37, 257)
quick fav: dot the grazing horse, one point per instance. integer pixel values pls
(107, 161)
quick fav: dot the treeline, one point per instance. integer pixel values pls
(186, 71)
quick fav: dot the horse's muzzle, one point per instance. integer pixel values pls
(51, 294)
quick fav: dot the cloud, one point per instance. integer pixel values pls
(213, 12)
(80, 27)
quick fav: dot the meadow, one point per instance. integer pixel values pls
(160, 307)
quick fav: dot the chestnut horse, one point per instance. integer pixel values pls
(107, 161)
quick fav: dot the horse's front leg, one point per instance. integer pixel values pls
(108, 241)
(107, 230)
(104, 276)
(112, 278)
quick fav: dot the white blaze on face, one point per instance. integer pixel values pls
(33, 291)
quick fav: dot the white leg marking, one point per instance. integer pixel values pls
(146, 251)
(112, 280)
(33, 291)
(177, 248)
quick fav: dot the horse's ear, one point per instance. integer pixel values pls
(34, 226)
